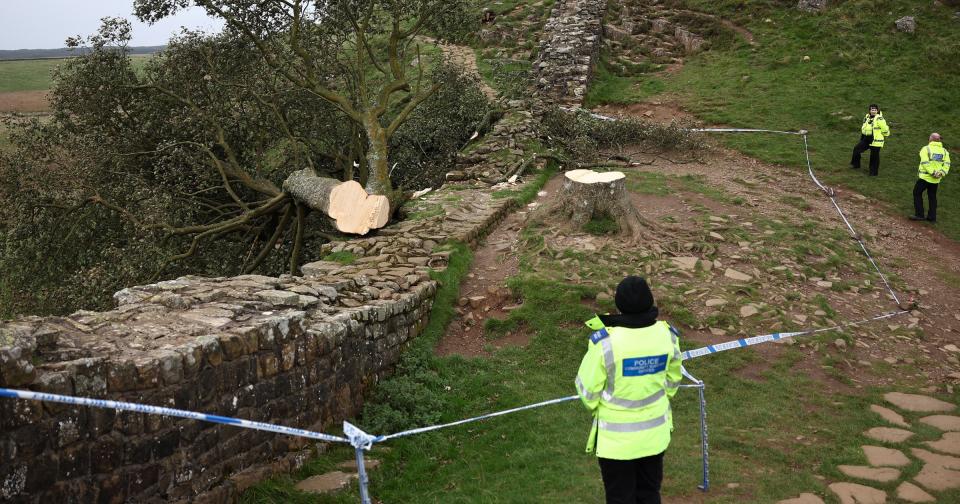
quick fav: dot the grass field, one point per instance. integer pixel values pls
(856, 58)
(27, 75)
(36, 75)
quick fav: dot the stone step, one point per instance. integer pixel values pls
(326, 483)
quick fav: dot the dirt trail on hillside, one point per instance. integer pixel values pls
(465, 58)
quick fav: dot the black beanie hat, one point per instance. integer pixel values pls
(874, 106)
(633, 295)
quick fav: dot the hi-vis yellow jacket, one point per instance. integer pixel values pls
(934, 158)
(877, 127)
(626, 379)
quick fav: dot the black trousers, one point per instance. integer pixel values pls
(931, 189)
(864, 144)
(632, 481)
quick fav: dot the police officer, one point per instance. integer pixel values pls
(873, 131)
(934, 165)
(627, 377)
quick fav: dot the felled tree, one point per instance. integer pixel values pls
(185, 164)
(354, 54)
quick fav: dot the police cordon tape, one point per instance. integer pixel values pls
(361, 440)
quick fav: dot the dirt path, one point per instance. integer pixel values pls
(24, 101)
(464, 57)
(484, 293)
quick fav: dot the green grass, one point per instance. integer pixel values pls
(771, 435)
(856, 59)
(648, 183)
(27, 75)
(36, 75)
(611, 88)
(342, 257)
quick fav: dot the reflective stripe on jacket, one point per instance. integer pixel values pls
(933, 158)
(877, 127)
(626, 379)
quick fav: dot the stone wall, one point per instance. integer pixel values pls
(569, 46)
(298, 351)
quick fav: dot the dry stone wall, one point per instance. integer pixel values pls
(570, 44)
(298, 351)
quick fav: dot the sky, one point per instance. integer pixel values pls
(45, 24)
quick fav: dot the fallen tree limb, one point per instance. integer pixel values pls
(347, 203)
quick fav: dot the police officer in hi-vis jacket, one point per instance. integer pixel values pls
(934, 165)
(626, 379)
(873, 132)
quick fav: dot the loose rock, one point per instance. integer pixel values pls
(942, 422)
(804, 498)
(906, 24)
(737, 275)
(889, 415)
(949, 443)
(326, 483)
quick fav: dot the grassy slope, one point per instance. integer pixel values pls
(857, 58)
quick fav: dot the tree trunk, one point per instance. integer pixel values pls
(378, 167)
(587, 194)
(347, 203)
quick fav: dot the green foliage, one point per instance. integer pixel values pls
(508, 76)
(584, 136)
(137, 154)
(425, 148)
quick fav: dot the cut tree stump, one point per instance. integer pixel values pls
(587, 194)
(347, 203)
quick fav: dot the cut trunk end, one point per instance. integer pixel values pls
(346, 203)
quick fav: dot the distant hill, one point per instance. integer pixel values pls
(64, 52)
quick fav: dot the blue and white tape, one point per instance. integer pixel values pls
(756, 340)
(157, 410)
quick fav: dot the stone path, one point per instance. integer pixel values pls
(940, 469)
(335, 481)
